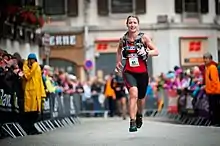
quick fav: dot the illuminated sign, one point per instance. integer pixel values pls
(62, 40)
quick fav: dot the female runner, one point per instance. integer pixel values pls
(135, 47)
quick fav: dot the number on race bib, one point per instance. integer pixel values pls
(133, 62)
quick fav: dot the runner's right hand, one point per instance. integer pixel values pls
(119, 67)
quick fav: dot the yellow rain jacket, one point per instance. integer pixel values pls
(33, 87)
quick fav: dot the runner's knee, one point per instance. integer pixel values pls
(133, 92)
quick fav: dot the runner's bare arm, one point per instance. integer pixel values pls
(153, 49)
(118, 53)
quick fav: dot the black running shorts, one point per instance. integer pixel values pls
(139, 80)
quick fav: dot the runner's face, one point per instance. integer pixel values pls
(132, 24)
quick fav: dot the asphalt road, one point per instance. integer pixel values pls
(114, 132)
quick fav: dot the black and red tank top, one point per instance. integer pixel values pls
(133, 63)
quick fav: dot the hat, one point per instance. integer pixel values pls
(207, 55)
(47, 67)
(72, 77)
(170, 75)
(176, 68)
(32, 56)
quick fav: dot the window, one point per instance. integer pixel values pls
(29, 2)
(192, 6)
(54, 7)
(105, 7)
(121, 6)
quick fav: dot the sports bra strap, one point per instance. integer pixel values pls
(137, 40)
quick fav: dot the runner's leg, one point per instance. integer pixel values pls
(131, 84)
(142, 88)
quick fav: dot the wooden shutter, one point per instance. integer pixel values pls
(204, 6)
(140, 6)
(217, 7)
(72, 8)
(178, 6)
(103, 7)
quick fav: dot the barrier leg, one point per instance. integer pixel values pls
(51, 124)
(44, 126)
(38, 127)
(178, 118)
(20, 129)
(153, 114)
(208, 123)
(192, 121)
(68, 121)
(58, 125)
(8, 130)
(189, 121)
(77, 119)
(184, 120)
(17, 128)
(61, 124)
(64, 122)
(73, 120)
(198, 121)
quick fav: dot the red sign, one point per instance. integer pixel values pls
(102, 46)
(195, 46)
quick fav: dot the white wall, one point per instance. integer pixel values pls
(167, 41)
(154, 8)
(23, 49)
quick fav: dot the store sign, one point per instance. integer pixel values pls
(106, 46)
(192, 50)
(195, 46)
(62, 40)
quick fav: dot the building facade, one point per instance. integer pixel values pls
(181, 29)
(20, 33)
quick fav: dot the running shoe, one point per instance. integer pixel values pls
(133, 127)
(139, 121)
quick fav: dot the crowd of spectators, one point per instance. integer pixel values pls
(98, 94)
(199, 85)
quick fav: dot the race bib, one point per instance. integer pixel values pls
(133, 62)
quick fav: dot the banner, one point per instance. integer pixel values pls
(8, 102)
(62, 105)
(54, 105)
(192, 50)
(172, 101)
(201, 104)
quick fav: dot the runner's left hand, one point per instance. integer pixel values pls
(142, 52)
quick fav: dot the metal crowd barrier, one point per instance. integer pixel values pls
(58, 110)
(92, 106)
(183, 109)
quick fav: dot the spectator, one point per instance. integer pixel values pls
(110, 96)
(33, 91)
(117, 84)
(86, 98)
(212, 88)
(96, 89)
